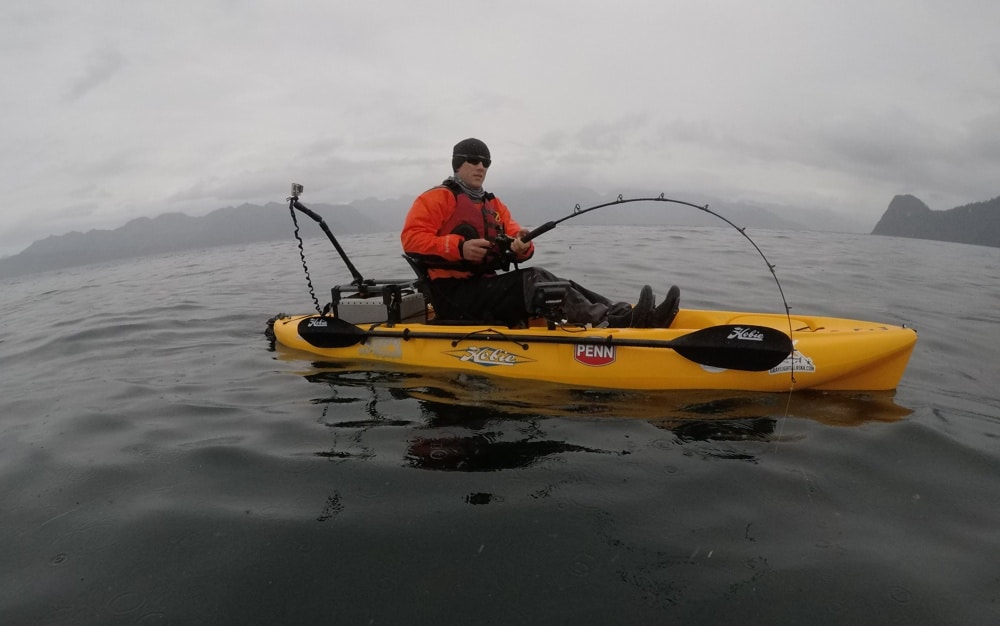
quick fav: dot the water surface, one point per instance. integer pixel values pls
(161, 463)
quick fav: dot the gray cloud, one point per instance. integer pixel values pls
(128, 109)
(101, 66)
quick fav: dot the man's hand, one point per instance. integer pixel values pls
(517, 245)
(475, 250)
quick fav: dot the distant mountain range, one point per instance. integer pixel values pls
(908, 216)
(173, 232)
(251, 223)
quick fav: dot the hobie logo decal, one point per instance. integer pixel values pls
(316, 322)
(595, 356)
(488, 357)
(746, 334)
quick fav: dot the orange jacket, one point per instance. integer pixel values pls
(428, 214)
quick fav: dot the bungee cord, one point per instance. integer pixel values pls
(302, 255)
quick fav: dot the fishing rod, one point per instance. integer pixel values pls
(547, 226)
(577, 211)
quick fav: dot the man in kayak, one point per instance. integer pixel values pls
(462, 234)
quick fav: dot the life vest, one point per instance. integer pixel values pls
(474, 220)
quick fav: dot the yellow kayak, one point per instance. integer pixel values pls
(391, 323)
(719, 350)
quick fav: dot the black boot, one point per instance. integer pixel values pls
(663, 315)
(642, 309)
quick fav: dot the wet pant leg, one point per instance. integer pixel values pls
(582, 306)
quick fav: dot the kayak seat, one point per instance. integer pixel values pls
(547, 297)
(422, 284)
(423, 287)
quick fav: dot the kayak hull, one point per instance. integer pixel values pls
(830, 354)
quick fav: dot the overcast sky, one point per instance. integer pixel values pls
(118, 109)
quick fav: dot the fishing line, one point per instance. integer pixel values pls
(577, 211)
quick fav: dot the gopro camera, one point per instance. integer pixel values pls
(296, 190)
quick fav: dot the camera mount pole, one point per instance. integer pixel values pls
(293, 203)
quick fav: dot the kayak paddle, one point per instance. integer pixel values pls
(728, 346)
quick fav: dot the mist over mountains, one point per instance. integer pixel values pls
(250, 223)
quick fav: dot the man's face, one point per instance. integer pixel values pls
(472, 175)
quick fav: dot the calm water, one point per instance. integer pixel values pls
(160, 463)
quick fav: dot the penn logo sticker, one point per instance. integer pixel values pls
(594, 356)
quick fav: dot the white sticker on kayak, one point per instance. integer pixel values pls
(489, 357)
(382, 347)
(795, 361)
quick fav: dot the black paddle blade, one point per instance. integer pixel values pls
(329, 332)
(735, 347)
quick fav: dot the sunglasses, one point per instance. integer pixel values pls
(475, 159)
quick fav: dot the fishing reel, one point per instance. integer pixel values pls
(504, 251)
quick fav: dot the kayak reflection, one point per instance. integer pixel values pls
(494, 398)
(484, 452)
(469, 423)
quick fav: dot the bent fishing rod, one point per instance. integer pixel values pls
(577, 211)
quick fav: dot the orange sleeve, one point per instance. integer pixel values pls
(429, 211)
